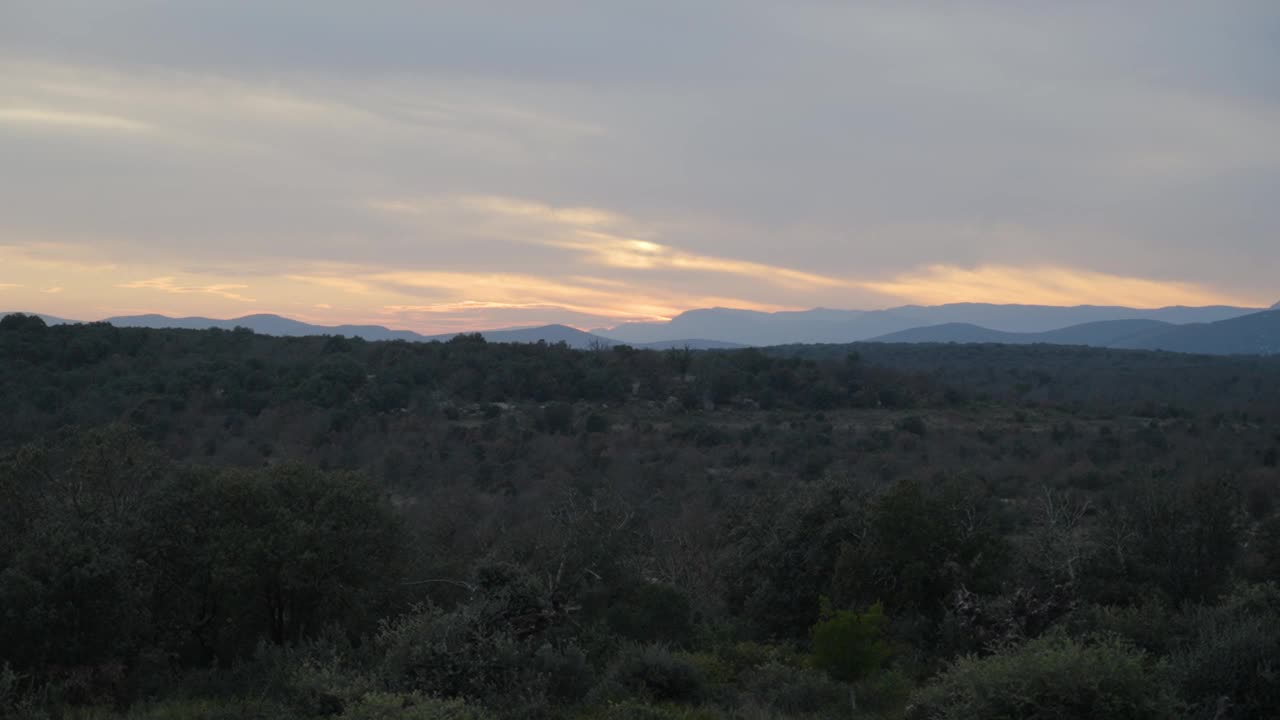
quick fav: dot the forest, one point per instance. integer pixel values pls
(218, 524)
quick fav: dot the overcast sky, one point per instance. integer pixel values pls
(441, 165)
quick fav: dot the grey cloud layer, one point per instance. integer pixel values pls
(848, 138)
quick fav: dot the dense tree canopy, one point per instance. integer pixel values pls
(222, 524)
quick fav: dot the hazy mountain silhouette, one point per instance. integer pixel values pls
(1215, 330)
(1105, 333)
(267, 324)
(822, 325)
(48, 319)
(1257, 333)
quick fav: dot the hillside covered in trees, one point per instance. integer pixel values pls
(219, 524)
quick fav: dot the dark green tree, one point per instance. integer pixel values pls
(850, 646)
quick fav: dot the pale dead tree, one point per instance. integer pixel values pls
(1062, 542)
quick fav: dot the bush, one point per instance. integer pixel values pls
(1233, 656)
(390, 706)
(323, 686)
(652, 673)
(641, 711)
(451, 655)
(197, 709)
(1050, 678)
(651, 612)
(792, 690)
(913, 424)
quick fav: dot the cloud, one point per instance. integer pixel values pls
(49, 119)
(513, 290)
(10, 286)
(170, 285)
(548, 160)
(591, 232)
(1046, 285)
(345, 284)
(52, 290)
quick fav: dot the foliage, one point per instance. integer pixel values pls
(651, 673)
(222, 524)
(1050, 678)
(1231, 660)
(389, 706)
(850, 645)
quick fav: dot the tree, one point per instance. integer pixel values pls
(1051, 677)
(272, 554)
(850, 646)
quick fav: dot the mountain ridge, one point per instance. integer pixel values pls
(1212, 329)
(1253, 334)
(821, 325)
(277, 325)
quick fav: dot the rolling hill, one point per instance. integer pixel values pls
(1105, 333)
(1212, 330)
(1253, 334)
(821, 325)
(267, 324)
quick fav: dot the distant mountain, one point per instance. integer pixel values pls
(266, 325)
(572, 337)
(690, 344)
(821, 325)
(1216, 330)
(48, 319)
(1255, 334)
(276, 325)
(1105, 333)
(1276, 306)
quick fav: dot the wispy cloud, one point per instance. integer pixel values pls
(597, 235)
(170, 285)
(622, 252)
(51, 119)
(1045, 285)
(345, 284)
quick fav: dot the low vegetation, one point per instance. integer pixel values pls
(217, 524)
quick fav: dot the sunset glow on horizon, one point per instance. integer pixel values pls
(431, 168)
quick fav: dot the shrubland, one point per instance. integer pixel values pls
(213, 524)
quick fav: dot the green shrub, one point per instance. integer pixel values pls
(1050, 678)
(1233, 656)
(323, 686)
(632, 710)
(651, 672)
(446, 654)
(792, 690)
(651, 612)
(1151, 626)
(885, 692)
(391, 706)
(201, 709)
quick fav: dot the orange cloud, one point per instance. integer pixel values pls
(168, 284)
(623, 252)
(603, 237)
(514, 290)
(345, 284)
(1044, 285)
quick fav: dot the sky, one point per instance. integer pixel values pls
(442, 166)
